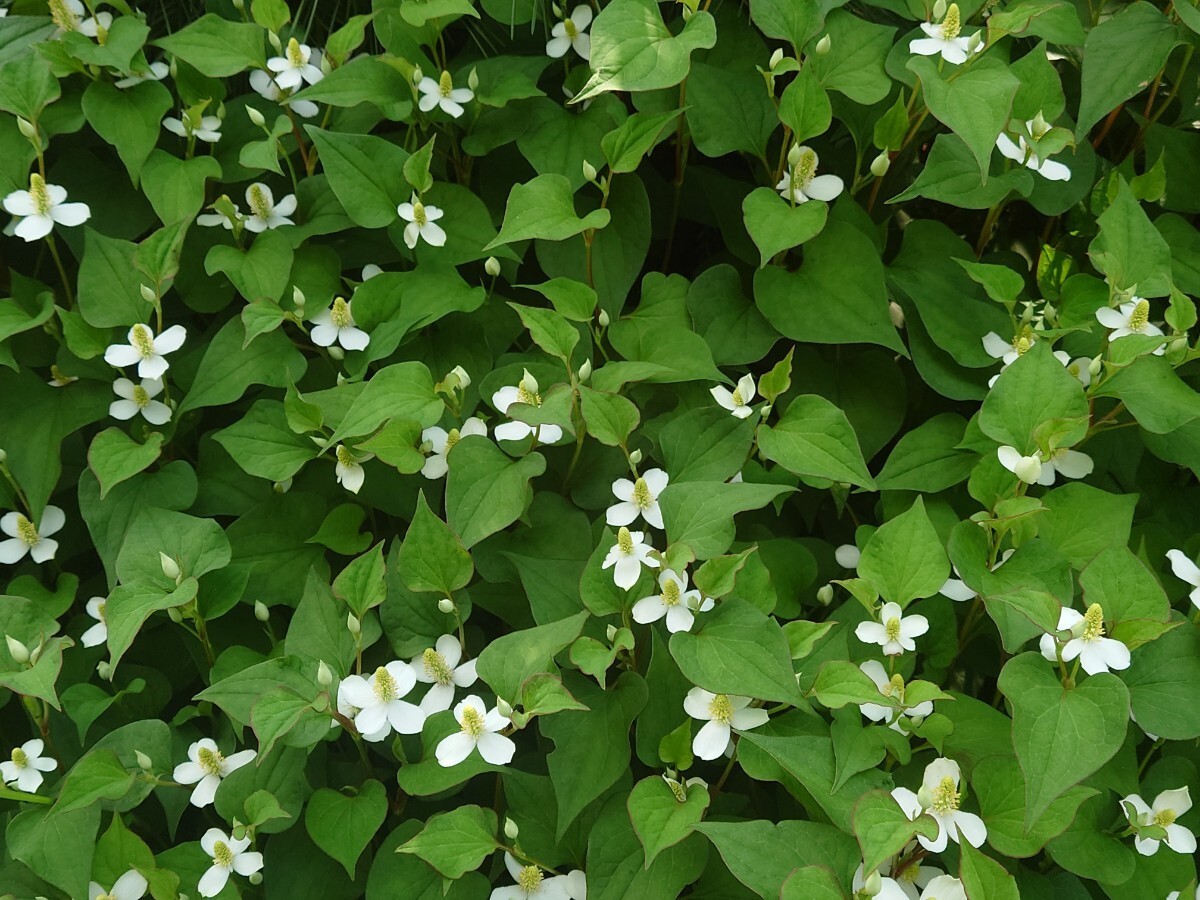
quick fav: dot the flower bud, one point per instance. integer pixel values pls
(174, 614)
(635, 457)
(271, 36)
(1095, 366)
(353, 625)
(491, 265)
(611, 632)
(282, 487)
(504, 707)
(336, 353)
(170, 568)
(974, 42)
(148, 294)
(589, 171)
(446, 605)
(794, 154)
(823, 45)
(896, 313)
(341, 379)
(939, 9)
(104, 670)
(881, 164)
(256, 117)
(18, 651)
(464, 380)
(172, 68)
(510, 829)
(873, 884)
(1028, 469)
(255, 878)
(473, 80)
(144, 761)
(603, 318)
(261, 612)
(825, 594)
(27, 128)
(585, 371)
(324, 674)
(3, 454)
(776, 58)
(556, 9)
(417, 75)
(765, 410)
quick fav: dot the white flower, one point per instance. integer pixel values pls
(227, 855)
(627, 556)
(98, 633)
(956, 589)
(130, 886)
(1027, 468)
(350, 711)
(531, 881)
(370, 270)
(675, 602)
(847, 556)
(1131, 317)
(638, 498)
(203, 128)
(944, 887)
(71, 15)
(295, 66)
(943, 39)
(38, 208)
(1186, 570)
(888, 889)
(146, 350)
(206, 767)
(25, 766)
(894, 632)
(443, 93)
(269, 89)
(738, 400)
(440, 666)
(379, 701)
(441, 442)
(891, 688)
(422, 223)
(801, 183)
(25, 537)
(1026, 154)
(1068, 463)
(939, 797)
(220, 218)
(913, 876)
(265, 213)
(337, 324)
(525, 392)
(478, 728)
(1008, 351)
(139, 398)
(1096, 653)
(570, 33)
(157, 71)
(58, 379)
(1168, 806)
(721, 713)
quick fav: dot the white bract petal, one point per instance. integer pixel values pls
(627, 556)
(801, 183)
(721, 714)
(336, 325)
(479, 729)
(944, 39)
(38, 209)
(24, 767)
(894, 632)
(1131, 317)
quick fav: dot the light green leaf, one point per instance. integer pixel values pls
(506, 663)
(660, 819)
(115, 457)
(432, 557)
(343, 825)
(455, 842)
(485, 490)
(904, 559)
(776, 225)
(217, 47)
(700, 514)
(544, 208)
(814, 438)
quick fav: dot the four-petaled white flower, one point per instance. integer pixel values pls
(638, 498)
(155, 71)
(674, 601)
(98, 633)
(440, 666)
(337, 324)
(146, 350)
(532, 882)
(130, 886)
(1096, 653)
(443, 93)
(944, 887)
(348, 468)
(627, 556)
(441, 442)
(39, 208)
(1026, 154)
(139, 398)
(939, 796)
(422, 223)
(1131, 317)
(944, 39)
(265, 213)
(479, 728)
(721, 714)
(295, 66)
(205, 768)
(1167, 807)
(524, 392)
(202, 128)
(738, 400)
(25, 537)
(892, 688)
(72, 15)
(25, 766)
(228, 855)
(894, 632)
(1186, 570)
(571, 33)
(269, 89)
(380, 703)
(801, 183)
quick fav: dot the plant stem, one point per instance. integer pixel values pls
(62, 272)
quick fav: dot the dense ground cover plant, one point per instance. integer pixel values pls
(718, 450)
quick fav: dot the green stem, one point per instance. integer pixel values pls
(62, 272)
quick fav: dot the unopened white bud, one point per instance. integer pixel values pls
(511, 831)
(175, 614)
(172, 68)
(148, 293)
(256, 117)
(896, 313)
(603, 318)
(794, 154)
(473, 80)
(27, 128)
(261, 612)
(589, 171)
(504, 707)
(1028, 469)
(341, 379)
(974, 42)
(1095, 365)
(881, 164)
(170, 567)
(464, 380)
(353, 625)
(873, 884)
(635, 457)
(823, 45)
(3, 454)
(255, 878)
(144, 761)
(104, 670)
(18, 651)
(336, 353)
(417, 75)
(282, 487)
(825, 594)
(491, 265)
(271, 36)
(611, 632)
(776, 58)
(446, 605)
(324, 674)
(556, 9)
(939, 9)
(765, 410)
(585, 371)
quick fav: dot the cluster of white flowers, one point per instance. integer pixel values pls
(801, 183)
(337, 325)
(37, 210)
(194, 126)
(25, 765)
(1009, 351)
(206, 767)
(892, 688)
(479, 729)
(940, 798)
(442, 93)
(1131, 317)
(264, 213)
(945, 39)
(571, 34)
(24, 537)
(422, 223)
(376, 703)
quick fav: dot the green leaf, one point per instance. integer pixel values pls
(804, 107)
(227, 371)
(632, 50)
(951, 175)
(1032, 395)
(545, 208)
(610, 418)
(776, 225)
(400, 391)
(258, 273)
(509, 660)
(343, 825)
(364, 79)
(485, 490)
(130, 605)
(1156, 396)
(904, 559)
(176, 187)
(279, 712)
(882, 829)
(1163, 678)
(1133, 601)
(59, 848)
(270, 14)
(1081, 521)
(739, 650)
(216, 47)
(854, 64)
(361, 583)
(1061, 736)
(128, 119)
(574, 299)
(700, 514)
(626, 144)
(840, 683)
(814, 438)
(366, 174)
(549, 329)
(115, 457)
(983, 877)
(109, 286)
(27, 85)
(1129, 249)
(812, 883)
(432, 557)
(660, 819)
(1000, 787)
(455, 842)
(263, 445)
(928, 457)
(98, 776)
